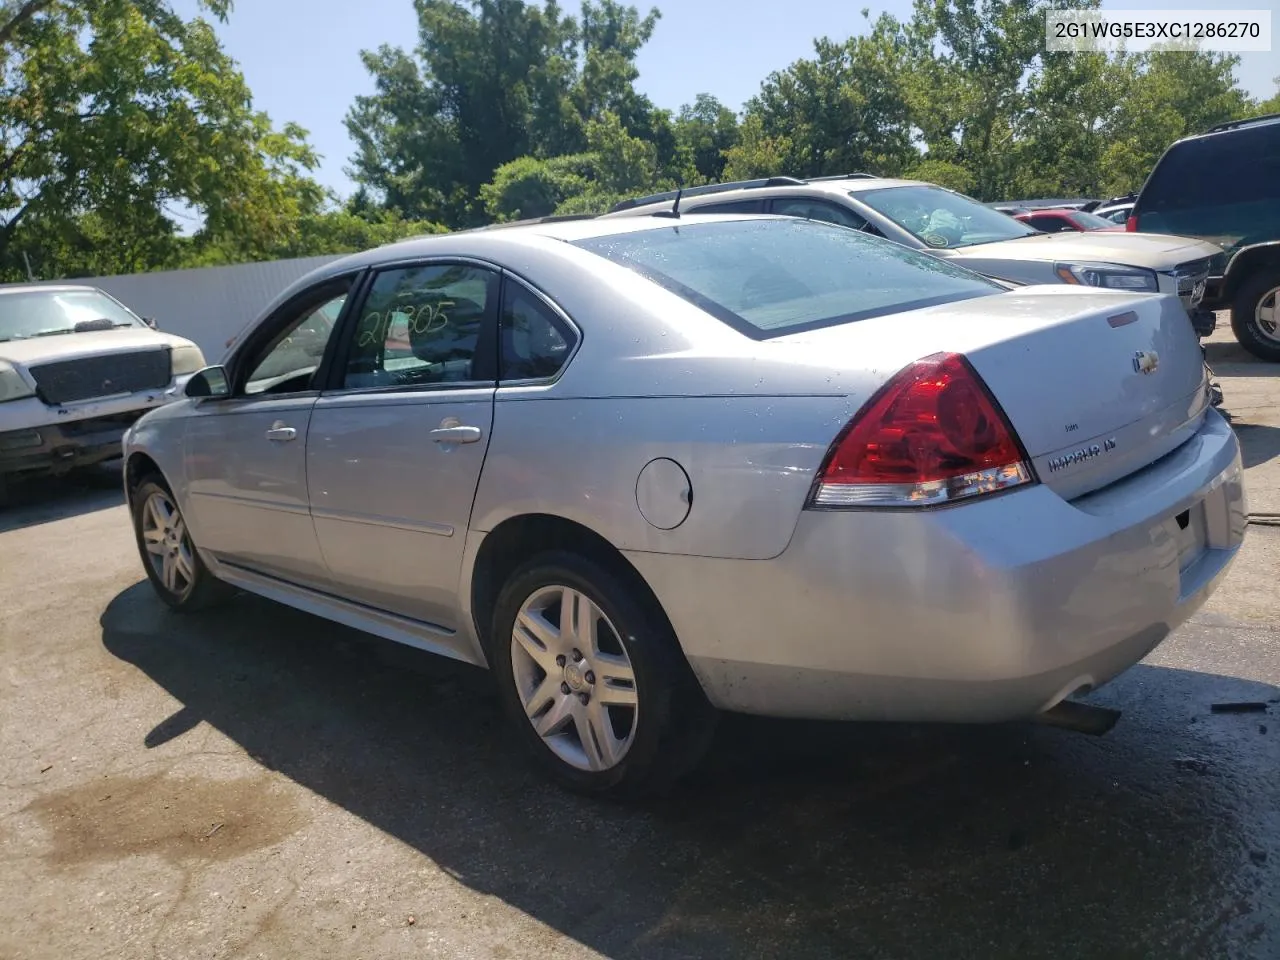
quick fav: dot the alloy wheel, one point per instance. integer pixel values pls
(574, 678)
(168, 546)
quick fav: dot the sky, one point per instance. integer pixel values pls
(301, 57)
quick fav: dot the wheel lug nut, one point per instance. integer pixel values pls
(577, 656)
(564, 688)
(590, 677)
(560, 660)
(584, 698)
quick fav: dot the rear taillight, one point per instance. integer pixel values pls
(931, 435)
(1131, 224)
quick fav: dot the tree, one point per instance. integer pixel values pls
(845, 110)
(706, 130)
(492, 81)
(116, 112)
(1167, 95)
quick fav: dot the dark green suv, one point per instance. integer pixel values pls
(1224, 186)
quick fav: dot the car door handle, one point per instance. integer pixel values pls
(455, 434)
(280, 432)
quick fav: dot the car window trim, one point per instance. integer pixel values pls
(250, 344)
(333, 385)
(557, 310)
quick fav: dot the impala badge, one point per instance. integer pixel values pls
(1146, 361)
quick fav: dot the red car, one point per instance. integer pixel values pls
(1060, 221)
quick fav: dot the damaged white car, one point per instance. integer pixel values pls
(77, 367)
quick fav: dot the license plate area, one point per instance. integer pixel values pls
(1191, 532)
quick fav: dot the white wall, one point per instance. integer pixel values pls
(207, 305)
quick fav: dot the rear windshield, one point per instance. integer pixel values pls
(1088, 221)
(771, 277)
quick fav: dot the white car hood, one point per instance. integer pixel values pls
(1155, 251)
(69, 346)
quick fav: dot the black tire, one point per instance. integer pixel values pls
(674, 723)
(1244, 306)
(202, 589)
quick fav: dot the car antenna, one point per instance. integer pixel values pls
(674, 212)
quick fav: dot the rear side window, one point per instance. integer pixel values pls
(730, 206)
(768, 278)
(1047, 224)
(534, 342)
(818, 210)
(1224, 188)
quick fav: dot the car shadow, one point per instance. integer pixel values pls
(795, 839)
(1259, 442)
(37, 500)
(1228, 359)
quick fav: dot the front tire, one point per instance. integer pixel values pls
(1255, 314)
(591, 675)
(169, 556)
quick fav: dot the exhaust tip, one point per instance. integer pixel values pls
(1080, 717)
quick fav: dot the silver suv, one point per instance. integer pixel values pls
(950, 225)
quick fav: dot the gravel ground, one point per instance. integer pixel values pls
(258, 783)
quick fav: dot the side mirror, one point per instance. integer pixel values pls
(150, 322)
(210, 383)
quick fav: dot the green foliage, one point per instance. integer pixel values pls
(117, 111)
(944, 173)
(492, 81)
(130, 142)
(706, 130)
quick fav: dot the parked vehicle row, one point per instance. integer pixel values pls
(647, 467)
(960, 230)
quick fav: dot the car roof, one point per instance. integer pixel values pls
(777, 187)
(494, 240)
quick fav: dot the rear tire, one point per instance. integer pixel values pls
(169, 555)
(591, 675)
(1255, 314)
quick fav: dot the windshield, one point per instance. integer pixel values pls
(767, 278)
(940, 218)
(1089, 221)
(44, 313)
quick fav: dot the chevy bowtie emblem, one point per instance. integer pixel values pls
(1145, 361)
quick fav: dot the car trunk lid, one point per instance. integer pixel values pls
(1096, 384)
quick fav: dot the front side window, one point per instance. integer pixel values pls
(40, 313)
(767, 278)
(939, 218)
(290, 363)
(421, 325)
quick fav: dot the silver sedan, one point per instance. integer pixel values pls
(647, 469)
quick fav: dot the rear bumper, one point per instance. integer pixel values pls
(987, 611)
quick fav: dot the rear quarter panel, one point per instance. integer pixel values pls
(750, 462)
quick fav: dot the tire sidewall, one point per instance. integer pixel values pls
(646, 638)
(1244, 307)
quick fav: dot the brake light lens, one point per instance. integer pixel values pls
(932, 435)
(1131, 224)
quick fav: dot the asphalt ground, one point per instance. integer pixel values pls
(254, 782)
